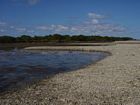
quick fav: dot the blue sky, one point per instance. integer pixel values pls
(89, 17)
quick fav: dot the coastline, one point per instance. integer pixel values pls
(113, 80)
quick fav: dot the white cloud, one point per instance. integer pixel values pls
(2, 23)
(45, 28)
(95, 21)
(30, 2)
(94, 24)
(2, 30)
(60, 28)
(33, 2)
(31, 31)
(53, 28)
(95, 16)
(12, 27)
(21, 29)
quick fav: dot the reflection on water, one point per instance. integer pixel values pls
(19, 67)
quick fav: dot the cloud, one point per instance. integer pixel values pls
(33, 2)
(54, 28)
(12, 27)
(94, 21)
(93, 25)
(42, 28)
(21, 29)
(96, 16)
(2, 23)
(2, 30)
(30, 2)
(60, 28)
(30, 31)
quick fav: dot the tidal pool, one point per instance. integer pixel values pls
(19, 68)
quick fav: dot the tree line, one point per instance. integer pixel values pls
(61, 38)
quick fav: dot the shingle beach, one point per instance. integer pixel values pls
(114, 80)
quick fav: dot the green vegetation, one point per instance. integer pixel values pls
(61, 38)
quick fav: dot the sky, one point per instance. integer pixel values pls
(88, 17)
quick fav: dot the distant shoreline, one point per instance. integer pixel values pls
(23, 45)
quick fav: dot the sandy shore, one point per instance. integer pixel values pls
(114, 80)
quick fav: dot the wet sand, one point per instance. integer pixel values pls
(114, 80)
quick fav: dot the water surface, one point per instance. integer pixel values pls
(19, 68)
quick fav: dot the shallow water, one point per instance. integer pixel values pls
(19, 67)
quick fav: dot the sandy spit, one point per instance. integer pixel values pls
(114, 80)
